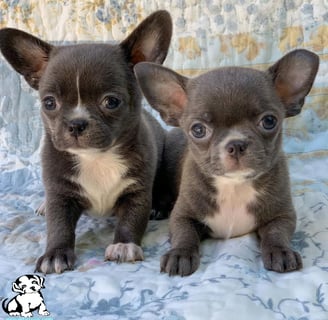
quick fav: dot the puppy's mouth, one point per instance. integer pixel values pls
(81, 144)
(232, 169)
(72, 144)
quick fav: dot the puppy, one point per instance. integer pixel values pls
(234, 177)
(101, 151)
(29, 297)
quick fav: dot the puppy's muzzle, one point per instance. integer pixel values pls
(236, 148)
(77, 126)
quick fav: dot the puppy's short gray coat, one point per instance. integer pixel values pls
(234, 177)
(101, 151)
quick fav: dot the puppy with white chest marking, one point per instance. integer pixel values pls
(234, 177)
(101, 151)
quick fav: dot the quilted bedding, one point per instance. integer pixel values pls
(231, 282)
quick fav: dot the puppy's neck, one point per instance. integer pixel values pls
(234, 190)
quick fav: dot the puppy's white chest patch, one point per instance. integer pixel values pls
(233, 218)
(101, 176)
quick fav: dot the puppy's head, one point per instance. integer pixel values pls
(28, 284)
(88, 92)
(232, 116)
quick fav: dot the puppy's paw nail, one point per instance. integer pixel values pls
(282, 259)
(56, 261)
(182, 262)
(124, 252)
(41, 211)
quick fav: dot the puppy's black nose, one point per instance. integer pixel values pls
(236, 148)
(77, 126)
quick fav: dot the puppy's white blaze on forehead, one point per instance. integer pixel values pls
(101, 176)
(233, 218)
(80, 112)
(78, 90)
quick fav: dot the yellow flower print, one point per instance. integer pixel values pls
(224, 44)
(291, 37)
(245, 42)
(189, 47)
(319, 39)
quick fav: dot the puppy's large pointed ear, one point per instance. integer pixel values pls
(164, 89)
(151, 39)
(27, 54)
(293, 76)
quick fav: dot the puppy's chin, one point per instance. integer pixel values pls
(239, 175)
(233, 169)
(84, 151)
(80, 146)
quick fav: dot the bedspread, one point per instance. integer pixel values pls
(231, 282)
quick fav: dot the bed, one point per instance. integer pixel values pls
(231, 282)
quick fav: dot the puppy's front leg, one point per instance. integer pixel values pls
(133, 211)
(183, 258)
(62, 214)
(275, 245)
(43, 310)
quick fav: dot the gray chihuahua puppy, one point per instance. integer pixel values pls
(101, 151)
(234, 177)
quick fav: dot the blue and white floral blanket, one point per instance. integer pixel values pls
(231, 282)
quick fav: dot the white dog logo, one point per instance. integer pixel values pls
(29, 297)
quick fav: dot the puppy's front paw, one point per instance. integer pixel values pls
(14, 314)
(281, 259)
(44, 313)
(27, 314)
(56, 260)
(182, 262)
(124, 252)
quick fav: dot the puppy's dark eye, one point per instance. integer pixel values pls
(269, 122)
(198, 130)
(111, 102)
(49, 103)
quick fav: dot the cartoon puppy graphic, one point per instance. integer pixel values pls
(29, 297)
